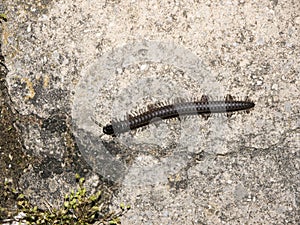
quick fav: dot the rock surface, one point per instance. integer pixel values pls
(75, 64)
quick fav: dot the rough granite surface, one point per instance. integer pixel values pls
(74, 65)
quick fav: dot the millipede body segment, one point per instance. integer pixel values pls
(202, 107)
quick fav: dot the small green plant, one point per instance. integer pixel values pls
(78, 209)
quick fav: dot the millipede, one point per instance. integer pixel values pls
(180, 108)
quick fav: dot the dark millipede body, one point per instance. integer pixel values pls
(203, 107)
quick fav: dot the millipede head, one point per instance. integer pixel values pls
(109, 130)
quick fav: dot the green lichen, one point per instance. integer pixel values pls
(78, 209)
